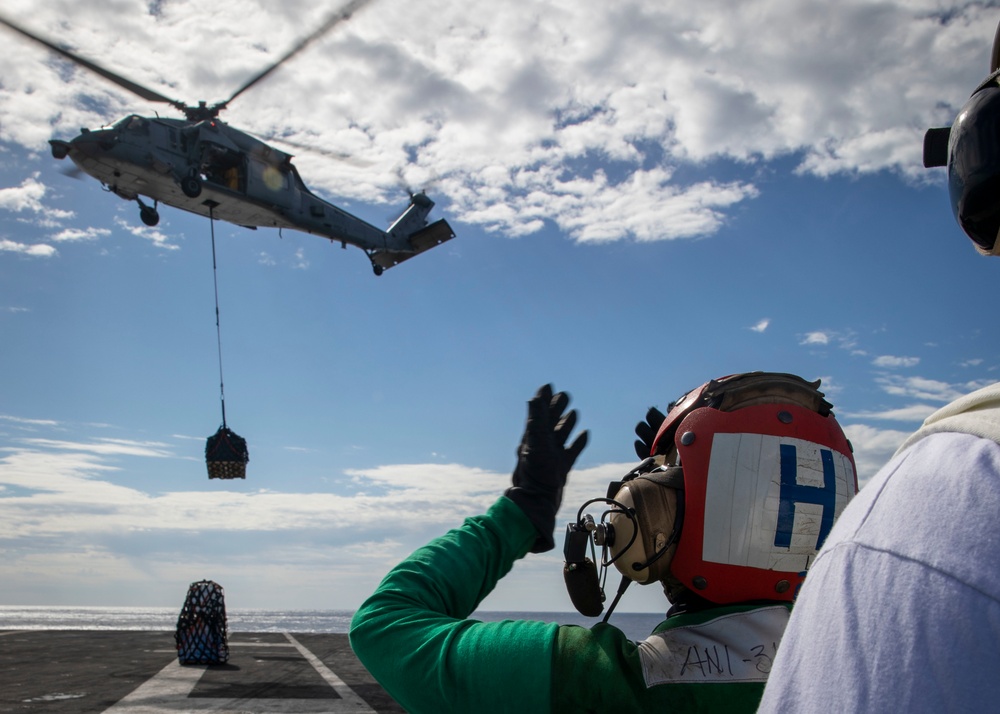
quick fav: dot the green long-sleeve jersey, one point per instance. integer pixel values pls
(414, 636)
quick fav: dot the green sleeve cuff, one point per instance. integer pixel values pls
(518, 529)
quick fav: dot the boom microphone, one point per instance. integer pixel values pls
(583, 587)
(579, 572)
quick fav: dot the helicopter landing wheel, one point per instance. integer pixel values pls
(191, 186)
(149, 216)
(378, 269)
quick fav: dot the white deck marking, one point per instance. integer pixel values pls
(168, 692)
(162, 692)
(347, 694)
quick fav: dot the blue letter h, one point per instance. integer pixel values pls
(792, 493)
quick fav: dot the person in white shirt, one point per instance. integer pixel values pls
(901, 609)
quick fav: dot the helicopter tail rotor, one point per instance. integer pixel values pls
(404, 183)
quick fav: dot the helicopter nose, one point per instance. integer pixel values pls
(60, 149)
(93, 143)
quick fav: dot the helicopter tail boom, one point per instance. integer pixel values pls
(418, 242)
(410, 235)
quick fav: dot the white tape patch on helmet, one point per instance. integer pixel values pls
(771, 501)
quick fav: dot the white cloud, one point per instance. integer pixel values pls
(842, 339)
(828, 385)
(29, 422)
(929, 389)
(104, 447)
(34, 250)
(872, 448)
(69, 523)
(761, 325)
(300, 262)
(816, 338)
(68, 492)
(575, 113)
(80, 234)
(73, 519)
(645, 207)
(72, 515)
(26, 197)
(891, 361)
(914, 412)
(154, 236)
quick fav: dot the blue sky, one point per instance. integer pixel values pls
(643, 199)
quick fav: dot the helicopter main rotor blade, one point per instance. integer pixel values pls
(131, 86)
(339, 155)
(995, 54)
(336, 18)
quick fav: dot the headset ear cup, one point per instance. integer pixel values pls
(647, 560)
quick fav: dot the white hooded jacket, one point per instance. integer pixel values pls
(901, 609)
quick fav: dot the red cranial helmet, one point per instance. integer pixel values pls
(750, 472)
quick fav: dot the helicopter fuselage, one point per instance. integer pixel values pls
(211, 169)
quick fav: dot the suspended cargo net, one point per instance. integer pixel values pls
(226, 454)
(202, 630)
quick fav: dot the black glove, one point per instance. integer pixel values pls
(646, 431)
(543, 462)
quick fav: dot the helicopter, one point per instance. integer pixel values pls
(970, 148)
(202, 165)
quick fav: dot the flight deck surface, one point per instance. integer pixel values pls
(137, 672)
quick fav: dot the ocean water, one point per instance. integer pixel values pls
(636, 625)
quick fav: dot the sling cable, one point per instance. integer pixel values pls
(226, 454)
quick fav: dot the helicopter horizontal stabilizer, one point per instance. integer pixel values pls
(421, 241)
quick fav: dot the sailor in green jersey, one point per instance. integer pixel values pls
(728, 535)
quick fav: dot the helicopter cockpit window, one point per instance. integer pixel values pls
(134, 124)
